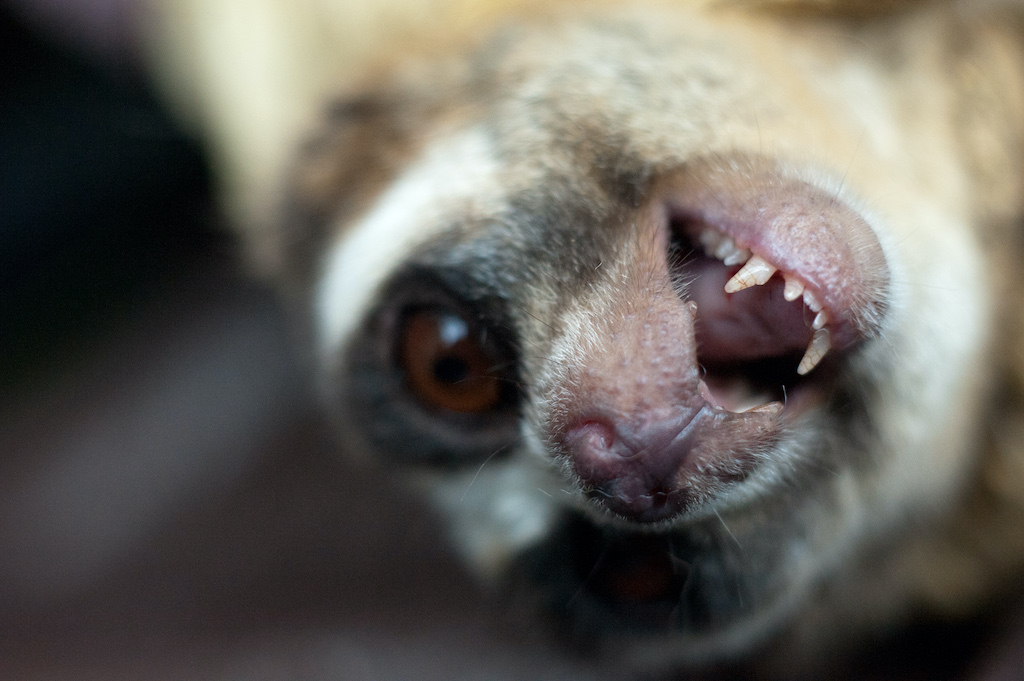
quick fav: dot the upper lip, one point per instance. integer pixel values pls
(811, 237)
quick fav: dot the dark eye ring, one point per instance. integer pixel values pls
(448, 363)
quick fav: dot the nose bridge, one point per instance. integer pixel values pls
(645, 370)
(630, 412)
(634, 411)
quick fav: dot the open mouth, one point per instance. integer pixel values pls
(779, 280)
(760, 332)
(786, 280)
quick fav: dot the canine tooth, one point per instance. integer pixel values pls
(816, 351)
(794, 289)
(755, 272)
(820, 320)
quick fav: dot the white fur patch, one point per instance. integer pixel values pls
(453, 170)
(496, 510)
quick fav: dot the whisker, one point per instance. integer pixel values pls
(721, 520)
(478, 470)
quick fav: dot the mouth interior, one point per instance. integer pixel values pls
(749, 343)
(638, 578)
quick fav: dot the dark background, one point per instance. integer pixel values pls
(170, 504)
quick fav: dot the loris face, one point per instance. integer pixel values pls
(656, 307)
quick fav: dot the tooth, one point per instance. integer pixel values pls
(794, 289)
(710, 240)
(737, 257)
(721, 246)
(756, 272)
(816, 351)
(820, 320)
(811, 302)
(725, 248)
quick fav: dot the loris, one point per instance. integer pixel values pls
(696, 320)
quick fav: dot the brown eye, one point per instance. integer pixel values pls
(447, 364)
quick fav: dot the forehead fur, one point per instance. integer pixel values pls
(254, 73)
(567, 143)
(636, 94)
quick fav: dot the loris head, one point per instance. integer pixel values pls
(653, 305)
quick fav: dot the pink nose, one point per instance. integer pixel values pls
(637, 473)
(638, 427)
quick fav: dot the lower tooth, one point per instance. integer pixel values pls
(816, 351)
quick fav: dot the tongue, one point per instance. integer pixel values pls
(754, 323)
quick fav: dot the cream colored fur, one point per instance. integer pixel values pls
(935, 144)
(252, 74)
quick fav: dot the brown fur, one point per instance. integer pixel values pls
(953, 76)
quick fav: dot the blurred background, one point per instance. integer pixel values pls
(170, 505)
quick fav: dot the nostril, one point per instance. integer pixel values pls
(597, 455)
(594, 435)
(633, 471)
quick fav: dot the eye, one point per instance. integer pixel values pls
(448, 363)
